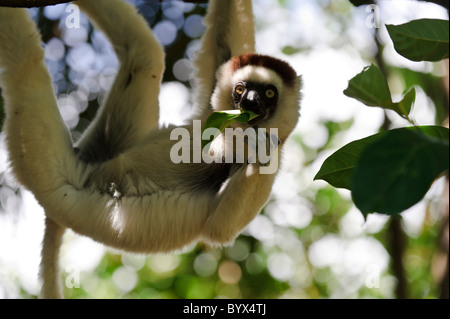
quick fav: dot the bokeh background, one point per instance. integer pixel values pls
(310, 241)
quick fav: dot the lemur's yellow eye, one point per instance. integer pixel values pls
(270, 93)
(239, 89)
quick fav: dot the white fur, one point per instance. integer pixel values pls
(135, 198)
(286, 115)
(257, 74)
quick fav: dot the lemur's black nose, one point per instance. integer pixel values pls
(250, 100)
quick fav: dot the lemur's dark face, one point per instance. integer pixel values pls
(260, 98)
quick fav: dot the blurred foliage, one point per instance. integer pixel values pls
(280, 260)
(242, 276)
(392, 170)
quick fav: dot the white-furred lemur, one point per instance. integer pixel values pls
(117, 184)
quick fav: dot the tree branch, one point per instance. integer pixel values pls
(30, 3)
(443, 3)
(43, 3)
(396, 249)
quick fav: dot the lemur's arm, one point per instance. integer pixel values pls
(229, 32)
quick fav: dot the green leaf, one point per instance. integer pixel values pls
(431, 84)
(421, 40)
(397, 170)
(432, 131)
(338, 169)
(403, 108)
(290, 50)
(223, 119)
(370, 87)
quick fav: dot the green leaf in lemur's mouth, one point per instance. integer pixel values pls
(222, 119)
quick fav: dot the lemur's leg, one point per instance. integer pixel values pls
(131, 109)
(37, 138)
(38, 142)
